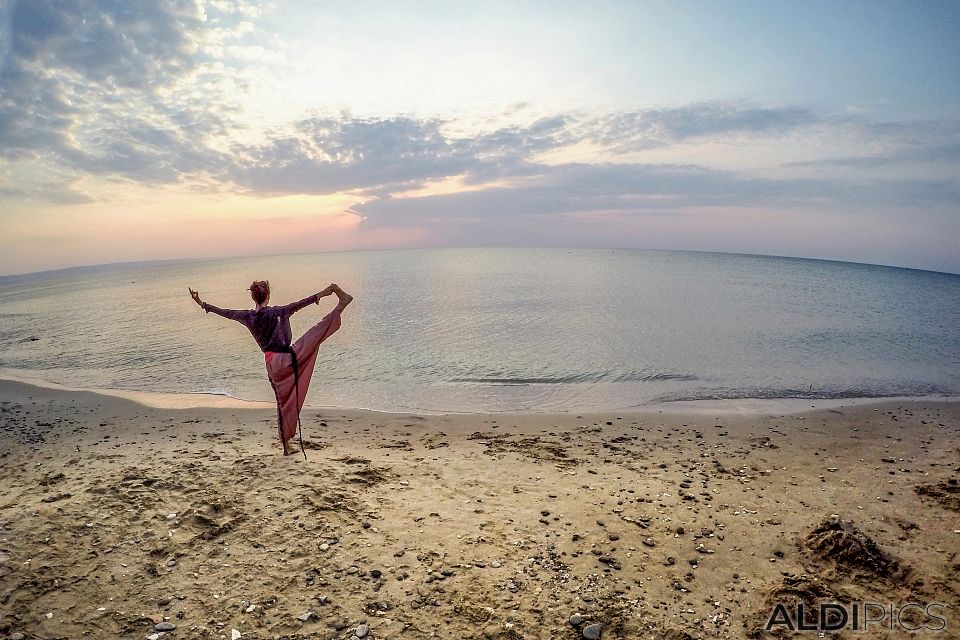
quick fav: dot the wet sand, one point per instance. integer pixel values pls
(116, 517)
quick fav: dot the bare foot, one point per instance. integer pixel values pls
(344, 297)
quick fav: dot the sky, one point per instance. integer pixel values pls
(207, 128)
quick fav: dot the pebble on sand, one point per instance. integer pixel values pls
(362, 630)
(592, 631)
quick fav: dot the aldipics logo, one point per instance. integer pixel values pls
(830, 617)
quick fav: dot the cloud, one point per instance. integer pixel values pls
(381, 158)
(109, 88)
(562, 189)
(61, 55)
(63, 191)
(377, 156)
(107, 41)
(658, 128)
(949, 153)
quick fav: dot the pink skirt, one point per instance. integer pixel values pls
(280, 372)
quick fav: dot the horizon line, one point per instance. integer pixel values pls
(4, 277)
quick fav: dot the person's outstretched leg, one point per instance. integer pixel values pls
(310, 341)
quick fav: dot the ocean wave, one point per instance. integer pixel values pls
(581, 378)
(804, 394)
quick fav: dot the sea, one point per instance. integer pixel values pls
(500, 330)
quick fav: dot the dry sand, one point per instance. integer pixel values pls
(116, 517)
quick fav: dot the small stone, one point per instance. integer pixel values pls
(154, 636)
(305, 617)
(650, 542)
(592, 631)
(250, 609)
(361, 631)
(165, 626)
(376, 573)
(17, 636)
(234, 634)
(576, 619)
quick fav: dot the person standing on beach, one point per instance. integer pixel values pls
(289, 367)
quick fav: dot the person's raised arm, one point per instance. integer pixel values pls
(230, 314)
(293, 307)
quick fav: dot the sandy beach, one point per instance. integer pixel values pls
(120, 520)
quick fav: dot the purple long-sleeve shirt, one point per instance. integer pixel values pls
(270, 326)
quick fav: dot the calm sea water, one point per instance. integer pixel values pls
(502, 329)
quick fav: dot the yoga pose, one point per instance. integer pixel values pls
(289, 367)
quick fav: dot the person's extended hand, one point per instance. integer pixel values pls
(195, 296)
(328, 291)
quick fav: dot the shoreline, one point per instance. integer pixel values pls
(723, 406)
(116, 517)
